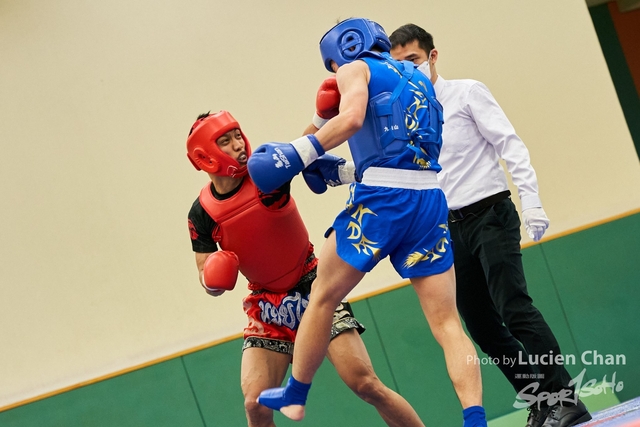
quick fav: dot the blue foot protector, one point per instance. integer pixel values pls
(474, 416)
(295, 393)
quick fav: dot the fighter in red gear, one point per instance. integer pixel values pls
(235, 227)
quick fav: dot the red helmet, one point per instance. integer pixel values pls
(203, 151)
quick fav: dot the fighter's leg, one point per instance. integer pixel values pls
(349, 355)
(437, 297)
(261, 369)
(335, 280)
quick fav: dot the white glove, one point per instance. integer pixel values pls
(535, 222)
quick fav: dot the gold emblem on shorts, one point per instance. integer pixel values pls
(363, 244)
(429, 254)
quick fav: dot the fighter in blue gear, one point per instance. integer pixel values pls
(393, 123)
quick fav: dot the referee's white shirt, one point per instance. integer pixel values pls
(475, 135)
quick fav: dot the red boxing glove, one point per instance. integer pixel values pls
(220, 271)
(328, 98)
(327, 102)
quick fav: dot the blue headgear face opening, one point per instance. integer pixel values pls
(344, 42)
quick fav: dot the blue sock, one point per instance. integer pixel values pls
(474, 416)
(295, 393)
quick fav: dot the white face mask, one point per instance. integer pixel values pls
(426, 70)
(424, 67)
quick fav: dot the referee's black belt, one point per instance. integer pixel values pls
(459, 214)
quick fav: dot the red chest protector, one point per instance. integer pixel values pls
(272, 245)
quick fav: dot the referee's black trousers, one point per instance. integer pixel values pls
(493, 300)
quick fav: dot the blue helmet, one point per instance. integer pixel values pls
(351, 37)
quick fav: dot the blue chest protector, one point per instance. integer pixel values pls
(403, 124)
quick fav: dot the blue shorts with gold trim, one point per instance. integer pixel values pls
(409, 226)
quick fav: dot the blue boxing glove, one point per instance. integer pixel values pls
(273, 164)
(328, 170)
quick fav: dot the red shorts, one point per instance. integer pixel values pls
(274, 317)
